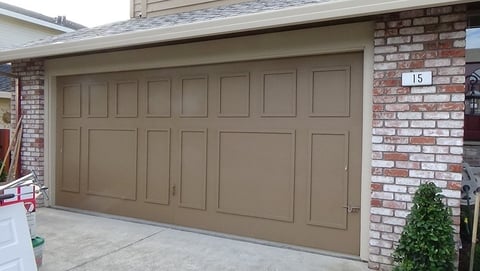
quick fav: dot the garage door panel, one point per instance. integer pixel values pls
(158, 98)
(70, 153)
(194, 96)
(126, 99)
(331, 92)
(193, 168)
(158, 166)
(256, 173)
(268, 149)
(327, 195)
(112, 163)
(72, 95)
(279, 93)
(97, 103)
(234, 96)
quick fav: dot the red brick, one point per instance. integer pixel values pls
(454, 185)
(395, 140)
(378, 107)
(418, 55)
(395, 156)
(439, 10)
(32, 93)
(451, 89)
(396, 172)
(455, 168)
(399, 23)
(394, 204)
(423, 140)
(450, 107)
(439, 28)
(442, 44)
(427, 107)
(376, 187)
(412, 14)
(408, 165)
(388, 83)
(413, 64)
(383, 115)
(393, 74)
(378, 91)
(452, 53)
(396, 90)
(384, 99)
(376, 203)
(391, 32)
(431, 54)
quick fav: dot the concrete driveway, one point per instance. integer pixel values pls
(77, 242)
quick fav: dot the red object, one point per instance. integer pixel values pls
(25, 194)
(472, 128)
(4, 143)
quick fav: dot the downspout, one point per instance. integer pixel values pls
(18, 100)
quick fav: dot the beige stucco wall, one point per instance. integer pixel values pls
(17, 32)
(151, 8)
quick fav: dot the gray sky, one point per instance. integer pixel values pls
(473, 38)
(87, 12)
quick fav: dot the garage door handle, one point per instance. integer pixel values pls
(352, 209)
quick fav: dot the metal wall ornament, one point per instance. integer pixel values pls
(472, 94)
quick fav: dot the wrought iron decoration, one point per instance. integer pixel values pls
(472, 94)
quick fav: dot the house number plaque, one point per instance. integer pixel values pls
(416, 79)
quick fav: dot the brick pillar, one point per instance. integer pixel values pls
(417, 131)
(31, 72)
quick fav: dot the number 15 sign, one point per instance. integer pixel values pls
(416, 79)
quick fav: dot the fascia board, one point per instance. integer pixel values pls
(334, 10)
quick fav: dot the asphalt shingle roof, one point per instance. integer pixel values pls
(203, 15)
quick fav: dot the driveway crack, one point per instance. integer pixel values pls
(116, 250)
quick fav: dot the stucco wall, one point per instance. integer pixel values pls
(152, 8)
(16, 32)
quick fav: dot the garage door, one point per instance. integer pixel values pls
(267, 149)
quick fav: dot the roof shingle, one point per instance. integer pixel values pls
(203, 15)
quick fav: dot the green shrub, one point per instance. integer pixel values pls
(427, 239)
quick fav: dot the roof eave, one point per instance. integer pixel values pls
(342, 9)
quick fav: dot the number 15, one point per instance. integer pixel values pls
(417, 78)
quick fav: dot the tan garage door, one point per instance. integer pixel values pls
(266, 149)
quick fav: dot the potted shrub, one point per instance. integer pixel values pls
(427, 240)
